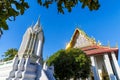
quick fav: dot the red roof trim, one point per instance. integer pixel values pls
(95, 50)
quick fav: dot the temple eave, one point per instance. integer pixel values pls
(100, 51)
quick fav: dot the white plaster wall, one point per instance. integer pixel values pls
(5, 70)
(82, 41)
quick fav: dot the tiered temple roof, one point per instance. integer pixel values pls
(81, 40)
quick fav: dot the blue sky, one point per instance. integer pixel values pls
(103, 24)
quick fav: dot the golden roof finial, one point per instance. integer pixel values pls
(99, 43)
(68, 46)
(108, 43)
(93, 40)
(116, 44)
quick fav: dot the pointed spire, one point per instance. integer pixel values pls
(99, 43)
(108, 43)
(116, 44)
(32, 24)
(37, 25)
(45, 65)
(38, 21)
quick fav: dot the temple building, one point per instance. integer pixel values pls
(104, 59)
(28, 63)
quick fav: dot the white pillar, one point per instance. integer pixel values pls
(39, 48)
(94, 68)
(116, 66)
(100, 72)
(108, 67)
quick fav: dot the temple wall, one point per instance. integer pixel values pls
(5, 68)
(18, 69)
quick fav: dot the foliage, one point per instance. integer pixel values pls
(9, 54)
(9, 9)
(72, 63)
(1, 32)
(69, 4)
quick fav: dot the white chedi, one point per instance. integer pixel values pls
(27, 64)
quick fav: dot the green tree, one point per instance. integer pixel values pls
(9, 54)
(9, 9)
(1, 32)
(69, 4)
(72, 63)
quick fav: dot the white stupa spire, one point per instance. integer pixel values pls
(37, 25)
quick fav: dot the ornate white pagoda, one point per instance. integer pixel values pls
(103, 58)
(28, 63)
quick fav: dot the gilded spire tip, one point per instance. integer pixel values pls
(108, 43)
(116, 44)
(37, 25)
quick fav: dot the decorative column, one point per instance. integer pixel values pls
(39, 48)
(100, 72)
(116, 66)
(33, 43)
(30, 43)
(108, 67)
(25, 43)
(94, 68)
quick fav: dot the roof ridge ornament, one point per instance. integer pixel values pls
(68, 45)
(99, 43)
(116, 45)
(109, 44)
